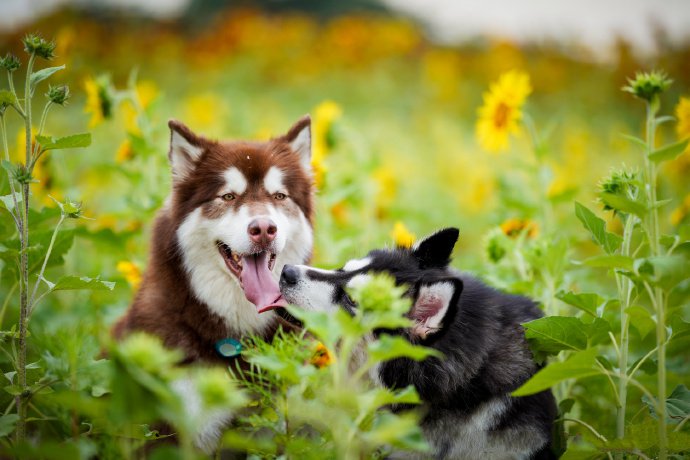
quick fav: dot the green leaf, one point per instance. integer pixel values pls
(552, 334)
(9, 202)
(71, 283)
(14, 390)
(7, 97)
(7, 423)
(68, 142)
(578, 365)
(610, 261)
(41, 241)
(587, 302)
(389, 347)
(669, 152)
(319, 323)
(625, 204)
(42, 74)
(677, 405)
(663, 271)
(597, 227)
(641, 320)
(635, 140)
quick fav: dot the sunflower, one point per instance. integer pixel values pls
(99, 99)
(402, 236)
(683, 116)
(124, 152)
(131, 272)
(501, 112)
(514, 227)
(325, 114)
(322, 356)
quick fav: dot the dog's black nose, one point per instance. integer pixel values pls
(290, 274)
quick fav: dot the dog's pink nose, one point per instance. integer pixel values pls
(262, 231)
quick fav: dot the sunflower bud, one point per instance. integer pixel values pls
(495, 245)
(648, 85)
(72, 209)
(22, 175)
(625, 184)
(58, 94)
(35, 44)
(10, 62)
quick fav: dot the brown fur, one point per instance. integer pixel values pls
(165, 305)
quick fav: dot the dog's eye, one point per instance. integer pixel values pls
(228, 197)
(279, 196)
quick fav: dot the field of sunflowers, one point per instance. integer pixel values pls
(567, 177)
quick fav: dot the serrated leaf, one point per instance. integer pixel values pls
(677, 404)
(624, 204)
(68, 142)
(42, 74)
(587, 302)
(7, 424)
(389, 347)
(552, 334)
(578, 365)
(610, 261)
(597, 227)
(71, 283)
(669, 152)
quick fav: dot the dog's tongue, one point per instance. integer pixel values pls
(259, 286)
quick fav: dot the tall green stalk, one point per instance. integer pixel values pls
(24, 263)
(625, 286)
(658, 298)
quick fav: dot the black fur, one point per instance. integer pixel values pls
(485, 355)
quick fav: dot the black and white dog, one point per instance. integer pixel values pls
(468, 410)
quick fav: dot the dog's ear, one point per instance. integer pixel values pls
(434, 303)
(299, 138)
(434, 251)
(185, 149)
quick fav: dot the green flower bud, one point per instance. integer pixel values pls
(72, 209)
(217, 389)
(625, 184)
(147, 353)
(22, 174)
(648, 85)
(10, 62)
(495, 245)
(58, 94)
(35, 44)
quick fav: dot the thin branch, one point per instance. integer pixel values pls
(45, 262)
(592, 430)
(644, 358)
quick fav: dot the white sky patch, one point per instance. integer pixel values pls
(235, 181)
(273, 181)
(594, 23)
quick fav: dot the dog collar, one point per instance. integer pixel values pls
(228, 348)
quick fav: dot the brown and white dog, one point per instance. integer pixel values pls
(238, 212)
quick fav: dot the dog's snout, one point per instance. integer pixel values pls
(290, 274)
(262, 231)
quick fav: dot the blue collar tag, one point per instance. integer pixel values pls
(228, 348)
